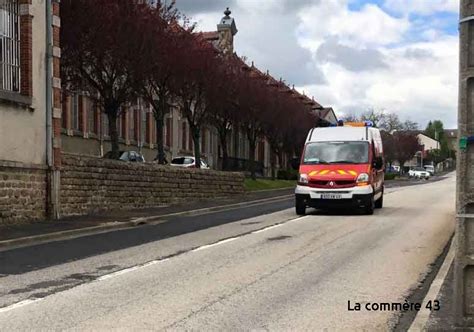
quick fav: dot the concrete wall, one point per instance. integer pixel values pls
(91, 185)
(22, 192)
(464, 259)
(23, 129)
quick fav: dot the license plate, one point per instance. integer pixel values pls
(331, 196)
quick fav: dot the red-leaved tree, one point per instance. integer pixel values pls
(407, 145)
(167, 41)
(100, 42)
(194, 76)
(222, 101)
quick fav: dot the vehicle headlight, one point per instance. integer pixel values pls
(303, 179)
(363, 178)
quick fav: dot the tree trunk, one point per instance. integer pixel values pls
(196, 132)
(289, 156)
(273, 163)
(159, 119)
(280, 159)
(252, 148)
(111, 112)
(160, 109)
(225, 152)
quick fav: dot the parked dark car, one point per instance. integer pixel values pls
(132, 156)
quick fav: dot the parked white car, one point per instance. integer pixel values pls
(430, 169)
(188, 161)
(419, 173)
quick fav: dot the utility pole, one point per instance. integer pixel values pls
(464, 261)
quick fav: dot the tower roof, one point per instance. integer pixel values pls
(227, 22)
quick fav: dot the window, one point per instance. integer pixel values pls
(144, 127)
(91, 116)
(148, 125)
(9, 46)
(261, 151)
(105, 123)
(122, 123)
(183, 138)
(168, 132)
(204, 141)
(65, 110)
(191, 142)
(75, 111)
(131, 124)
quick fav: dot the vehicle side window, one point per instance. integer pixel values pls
(188, 161)
(124, 156)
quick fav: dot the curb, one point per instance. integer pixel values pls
(268, 190)
(61, 235)
(149, 220)
(116, 226)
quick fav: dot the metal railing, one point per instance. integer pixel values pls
(242, 165)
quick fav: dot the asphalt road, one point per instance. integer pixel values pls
(260, 268)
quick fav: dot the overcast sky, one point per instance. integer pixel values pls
(397, 55)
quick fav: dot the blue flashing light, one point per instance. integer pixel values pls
(368, 123)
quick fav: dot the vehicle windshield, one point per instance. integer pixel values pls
(336, 153)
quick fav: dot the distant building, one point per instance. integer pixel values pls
(327, 116)
(427, 144)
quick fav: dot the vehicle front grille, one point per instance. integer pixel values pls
(336, 183)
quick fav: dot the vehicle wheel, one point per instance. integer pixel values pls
(369, 209)
(379, 202)
(300, 207)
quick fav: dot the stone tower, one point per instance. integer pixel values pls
(227, 30)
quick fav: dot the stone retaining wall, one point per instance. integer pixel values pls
(23, 192)
(90, 185)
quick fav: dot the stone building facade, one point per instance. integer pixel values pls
(41, 124)
(84, 128)
(29, 107)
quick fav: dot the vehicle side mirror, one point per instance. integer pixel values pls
(378, 163)
(295, 163)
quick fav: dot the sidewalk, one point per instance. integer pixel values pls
(123, 218)
(443, 320)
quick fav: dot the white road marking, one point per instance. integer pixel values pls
(207, 246)
(277, 225)
(130, 269)
(19, 304)
(422, 317)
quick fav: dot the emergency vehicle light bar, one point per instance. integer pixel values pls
(359, 124)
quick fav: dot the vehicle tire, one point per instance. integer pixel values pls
(379, 202)
(369, 209)
(300, 207)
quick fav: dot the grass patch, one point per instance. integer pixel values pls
(262, 184)
(391, 176)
